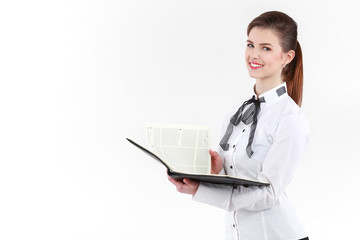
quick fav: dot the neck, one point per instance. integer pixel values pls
(263, 85)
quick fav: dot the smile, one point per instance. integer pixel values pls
(254, 65)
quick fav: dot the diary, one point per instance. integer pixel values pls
(184, 151)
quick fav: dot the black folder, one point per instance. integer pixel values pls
(210, 178)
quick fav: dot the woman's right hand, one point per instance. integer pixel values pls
(216, 162)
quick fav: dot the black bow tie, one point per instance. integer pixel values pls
(249, 116)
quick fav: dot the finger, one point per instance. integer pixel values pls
(215, 155)
(187, 181)
(174, 181)
(191, 185)
(211, 152)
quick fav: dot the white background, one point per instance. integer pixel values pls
(77, 77)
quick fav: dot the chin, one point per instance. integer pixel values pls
(252, 75)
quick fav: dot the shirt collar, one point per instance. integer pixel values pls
(273, 95)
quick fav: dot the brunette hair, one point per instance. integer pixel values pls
(286, 29)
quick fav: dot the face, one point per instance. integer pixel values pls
(264, 56)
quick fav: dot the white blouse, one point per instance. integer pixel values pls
(280, 139)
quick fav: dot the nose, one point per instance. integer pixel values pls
(255, 54)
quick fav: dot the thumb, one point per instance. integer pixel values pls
(214, 154)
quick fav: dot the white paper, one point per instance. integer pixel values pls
(183, 147)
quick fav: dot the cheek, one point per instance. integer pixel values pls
(246, 54)
(274, 59)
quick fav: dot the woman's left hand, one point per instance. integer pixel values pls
(186, 186)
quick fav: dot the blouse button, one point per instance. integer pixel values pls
(234, 146)
(233, 225)
(243, 130)
(231, 167)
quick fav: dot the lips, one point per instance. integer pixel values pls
(255, 65)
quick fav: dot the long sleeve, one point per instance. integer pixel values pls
(278, 167)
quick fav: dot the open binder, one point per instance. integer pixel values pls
(210, 178)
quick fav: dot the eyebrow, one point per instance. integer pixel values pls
(261, 44)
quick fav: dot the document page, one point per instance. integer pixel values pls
(183, 147)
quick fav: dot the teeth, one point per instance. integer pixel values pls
(255, 65)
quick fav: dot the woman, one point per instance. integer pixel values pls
(264, 139)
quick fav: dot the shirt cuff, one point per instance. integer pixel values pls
(217, 195)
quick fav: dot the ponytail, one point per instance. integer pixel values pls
(292, 74)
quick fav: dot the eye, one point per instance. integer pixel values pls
(250, 45)
(266, 48)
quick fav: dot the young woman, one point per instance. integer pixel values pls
(264, 139)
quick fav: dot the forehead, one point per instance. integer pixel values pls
(263, 35)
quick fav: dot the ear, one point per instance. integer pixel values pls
(289, 56)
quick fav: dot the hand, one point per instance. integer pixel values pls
(186, 186)
(216, 162)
